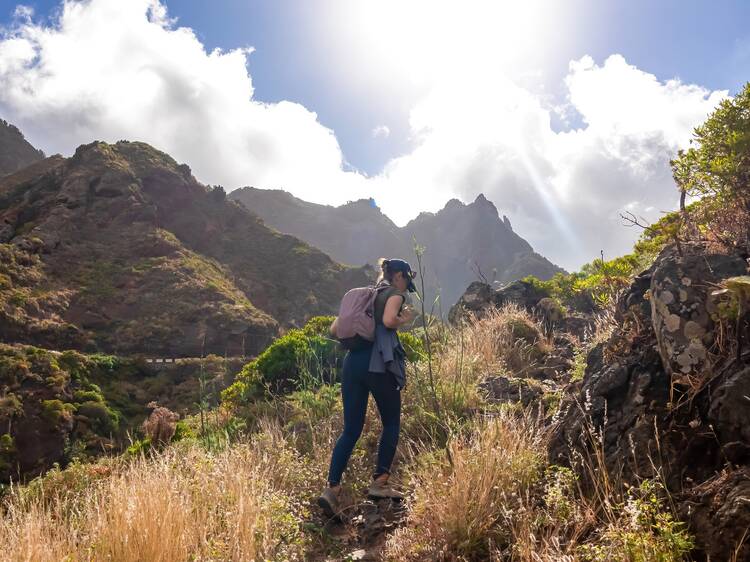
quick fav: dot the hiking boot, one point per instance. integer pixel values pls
(329, 502)
(383, 490)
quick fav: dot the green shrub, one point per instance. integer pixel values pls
(413, 345)
(56, 411)
(183, 431)
(301, 358)
(717, 165)
(7, 444)
(645, 531)
(88, 396)
(140, 447)
(579, 365)
(312, 405)
(102, 419)
(10, 405)
(318, 326)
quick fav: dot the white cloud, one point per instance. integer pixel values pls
(110, 70)
(381, 131)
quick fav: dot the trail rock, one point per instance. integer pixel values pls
(503, 389)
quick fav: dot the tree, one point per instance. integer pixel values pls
(719, 164)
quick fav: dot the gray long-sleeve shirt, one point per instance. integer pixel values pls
(388, 355)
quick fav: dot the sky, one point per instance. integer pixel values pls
(563, 113)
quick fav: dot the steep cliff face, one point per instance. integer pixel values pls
(120, 249)
(15, 151)
(463, 242)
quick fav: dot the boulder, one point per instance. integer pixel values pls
(476, 300)
(681, 309)
(729, 414)
(480, 297)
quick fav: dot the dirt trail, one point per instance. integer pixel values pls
(361, 531)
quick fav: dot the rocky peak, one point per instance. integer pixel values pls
(506, 222)
(483, 203)
(459, 238)
(15, 151)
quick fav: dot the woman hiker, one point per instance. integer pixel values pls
(378, 369)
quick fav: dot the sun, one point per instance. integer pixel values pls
(421, 40)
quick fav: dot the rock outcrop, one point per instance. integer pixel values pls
(683, 310)
(479, 298)
(662, 400)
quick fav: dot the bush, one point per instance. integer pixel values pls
(718, 164)
(413, 345)
(103, 420)
(716, 169)
(318, 326)
(161, 425)
(182, 431)
(301, 358)
(7, 444)
(57, 411)
(139, 447)
(643, 532)
(88, 396)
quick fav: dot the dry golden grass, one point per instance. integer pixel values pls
(460, 512)
(182, 504)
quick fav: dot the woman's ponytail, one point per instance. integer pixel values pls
(385, 270)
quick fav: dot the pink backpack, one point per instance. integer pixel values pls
(355, 326)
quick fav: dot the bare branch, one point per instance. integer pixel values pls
(477, 270)
(631, 220)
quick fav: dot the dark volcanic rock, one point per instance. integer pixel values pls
(681, 309)
(480, 297)
(718, 513)
(634, 400)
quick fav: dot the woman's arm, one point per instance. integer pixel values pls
(332, 329)
(391, 317)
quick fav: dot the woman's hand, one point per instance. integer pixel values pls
(406, 315)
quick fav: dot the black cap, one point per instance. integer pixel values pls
(404, 267)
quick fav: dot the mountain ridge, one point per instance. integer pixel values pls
(464, 241)
(126, 252)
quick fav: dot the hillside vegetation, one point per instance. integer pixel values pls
(599, 416)
(497, 497)
(120, 250)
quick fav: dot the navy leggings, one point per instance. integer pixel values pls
(356, 385)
